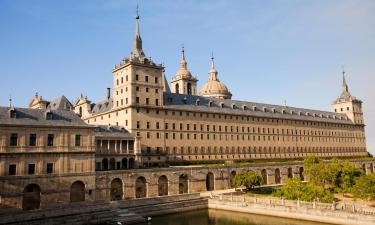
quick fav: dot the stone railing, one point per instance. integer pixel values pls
(245, 200)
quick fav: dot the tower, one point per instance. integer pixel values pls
(183, 82)
(348, 104)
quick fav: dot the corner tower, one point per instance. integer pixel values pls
(183, 82)
(348, 104)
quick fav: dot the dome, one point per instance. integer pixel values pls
(214, 88)
(183, 73)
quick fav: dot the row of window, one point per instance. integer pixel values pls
(253, 137)
(14, 139)
(137, 78)
(31, 169)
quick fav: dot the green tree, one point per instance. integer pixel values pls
(365, 187)
(249, 179)
(348, 175)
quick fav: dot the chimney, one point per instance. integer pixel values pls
(108, 93)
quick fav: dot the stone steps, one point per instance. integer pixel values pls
(126, 217)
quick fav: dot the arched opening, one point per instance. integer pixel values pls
(301, 174)
(231, 178)
(290, 173)
(264, 176)
(80, 111)
(277, 176)
(183, 184)
(364, 168)
(163, 185)
(31, 197)
(77, 192)
(112, 164)
(124, 163)
(140, 187)
(189, 88)
(210, 182)
(177, 88)
(116, 189)
(105, 164)
(131, 163)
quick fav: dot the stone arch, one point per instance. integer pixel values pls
(163, 185)
(231, 178)
(140, 187)
(210, 181)
(124, 163)
(31, 197)
(364, 168)
(290, 172)
(277, 176)
(183, 184)
(301, 175)
(264, 176)
(112, 164)
(131, 163)
(105, 164)
(116, 189)
(77, 191)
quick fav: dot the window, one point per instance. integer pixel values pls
(136, 77)
(156, 91)
(32, 140)
(156, 101)
(156, 80)
(147, 101)
(137, 100)
(146, 78)
(50, 138)
(31, 169)
(13, 139)
(136, 88)
(138, 125)
(146, 89)
(12, 169)
(49, 168)
(78, 140)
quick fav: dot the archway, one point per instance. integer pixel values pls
(210, 181)
(116, 189)
(189, 91)
(140, 187)
(290, 173)
(264, 176)
(105, 164)
(112, 164)
(277, 176)
(31, 197)
(301, 174)
(231, 178)
(77, 192)
(364, 168)
(183, 184)
(124, 163)
(163, 185)
(131, 163)
(177, 88)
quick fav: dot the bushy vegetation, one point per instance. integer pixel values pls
(365, 187)
(248, 179)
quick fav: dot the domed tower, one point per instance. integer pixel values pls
(183, 82)
(348, 104)
(213, 87)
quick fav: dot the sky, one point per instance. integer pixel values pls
(267, 51)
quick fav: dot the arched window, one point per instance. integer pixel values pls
(163, 185)
(210, 182)
(77, 192)
(140, 187)
(116, 189)
(177, 88)
(189, 91)
(183, 184)
(31, 197)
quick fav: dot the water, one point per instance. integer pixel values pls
(219, 217)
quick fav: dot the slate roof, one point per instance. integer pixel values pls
(243, 108)
(112, 131)
(37, 117)
(102, 106)
(60, 103)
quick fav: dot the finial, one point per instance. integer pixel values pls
(137, 17)
(10, 101)
(36, 94)
(212, 59)
(183, 52)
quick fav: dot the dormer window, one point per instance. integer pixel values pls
(49, 115)
(300, 113)
(12, 113)
(244, 107)
(291, 112)
(234, 106)
(210, 103)
(273, 110)
(307, 114)
(184, 100)
(198, 102)
(222, 104)
(264, 109)
(283, 111)
(254, 108)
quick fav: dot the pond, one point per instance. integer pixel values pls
(220, 217)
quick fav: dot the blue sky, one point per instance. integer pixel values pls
(265, 51)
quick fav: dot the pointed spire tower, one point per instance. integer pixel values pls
(184, 82)
(137, 52)
(348, 104)
(213, 87)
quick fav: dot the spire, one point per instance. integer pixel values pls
(345, 88)
(213, 72)
(183, 63)
(137, 43)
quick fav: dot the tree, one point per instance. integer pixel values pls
(249, 179)
(365, 187)
(348, 175)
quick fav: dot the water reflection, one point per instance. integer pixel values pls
(219, 217)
